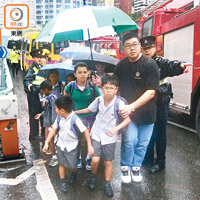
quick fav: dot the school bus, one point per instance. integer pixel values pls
(28, 44)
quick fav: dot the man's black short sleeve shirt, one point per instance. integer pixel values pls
(135, 78)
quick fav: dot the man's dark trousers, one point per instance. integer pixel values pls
(158, 136)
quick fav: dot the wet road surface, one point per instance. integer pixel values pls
(179, 181)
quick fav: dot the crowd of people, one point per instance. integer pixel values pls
(139, 114)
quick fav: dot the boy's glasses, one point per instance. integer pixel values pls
(109, 88)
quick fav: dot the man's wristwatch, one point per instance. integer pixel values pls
(132, 108)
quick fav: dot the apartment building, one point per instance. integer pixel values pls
(141, 4)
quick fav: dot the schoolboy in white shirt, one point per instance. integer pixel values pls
(105, 129)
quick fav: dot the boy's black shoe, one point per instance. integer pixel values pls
(63, 187)
(72, 178)
(108, 190)
(92, 182)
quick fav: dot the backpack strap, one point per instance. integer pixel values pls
(116, 108)
(75, 128)
(58, 122)
(71, 87)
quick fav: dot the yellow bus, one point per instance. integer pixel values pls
(28, 44)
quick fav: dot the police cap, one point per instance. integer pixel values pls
(36, 53)
(148, 41)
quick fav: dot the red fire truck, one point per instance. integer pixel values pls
(176, 26)
(109, 45)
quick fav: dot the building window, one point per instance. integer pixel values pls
(67, 1)
(38, 7)
(67, 6)
(51, 1)
(51, 11)
(57, 11)
(46, 1)
(51, 6)
(38, 12)
(38, 17)
(46, 11)
(58, 1)
(58, 6)
(46, 6)
(46, 17)
(38, 22)
(38, 1)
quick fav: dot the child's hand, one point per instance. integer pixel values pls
(38, 116)
(45, 148)
(90, 150)
(112, 132)
(44, 103)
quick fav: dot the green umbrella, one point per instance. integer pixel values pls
(85, 23)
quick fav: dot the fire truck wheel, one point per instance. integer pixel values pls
(197, 119)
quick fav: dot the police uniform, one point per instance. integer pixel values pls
(34, 104)
(14, 55)
(164, 93)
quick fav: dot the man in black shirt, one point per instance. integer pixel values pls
(139, 79)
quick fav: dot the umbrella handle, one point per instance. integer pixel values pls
(90, 44)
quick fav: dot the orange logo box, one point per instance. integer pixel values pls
(16, 16)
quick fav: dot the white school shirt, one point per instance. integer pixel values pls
(105, 120)
(66, 137)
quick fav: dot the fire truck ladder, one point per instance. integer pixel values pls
(154, 6)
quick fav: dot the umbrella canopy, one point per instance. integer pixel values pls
(85, 23)
(97, 57)
(63, 69)
(72, 51)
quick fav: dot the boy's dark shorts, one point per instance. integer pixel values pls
(106, 152)
(68, 159)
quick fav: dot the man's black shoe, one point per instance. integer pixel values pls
(92, 182)
(72, 178)
(148, 163)
(156, 168)
(63, 187)
(108, 190)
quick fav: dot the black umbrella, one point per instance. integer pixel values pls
(97, 57)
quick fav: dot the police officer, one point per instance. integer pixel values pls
(14, 55)
(167, 68)
(32, 88)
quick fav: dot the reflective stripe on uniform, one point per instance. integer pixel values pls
(163, 81)
(38, 79)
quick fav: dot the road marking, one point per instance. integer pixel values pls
(43, 186)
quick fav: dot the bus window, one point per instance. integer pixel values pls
(59, 45)
(11, 43)
(97, 47)
(27, 47)
(44, 45)
(33, 45)
(147, 27)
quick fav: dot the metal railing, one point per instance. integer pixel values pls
(3, 76)
(6, 84)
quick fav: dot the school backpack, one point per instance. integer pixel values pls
(118, 117)
(73, 125)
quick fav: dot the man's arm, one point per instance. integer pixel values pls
(170, 68)
(147, 96)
